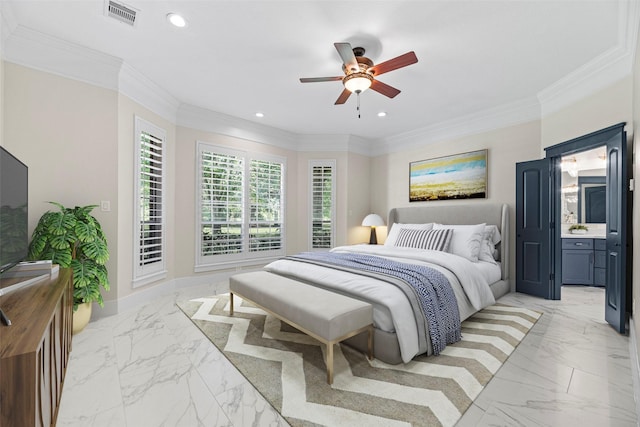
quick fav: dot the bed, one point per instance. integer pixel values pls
(400, 333)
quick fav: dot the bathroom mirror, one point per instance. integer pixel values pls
(584, 187)
(592, 198)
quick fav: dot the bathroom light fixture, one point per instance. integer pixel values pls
(177, 20)
(382, 114)
(570, 166)
(259, 114)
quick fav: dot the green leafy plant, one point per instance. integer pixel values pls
(74, 238)
(578, 227)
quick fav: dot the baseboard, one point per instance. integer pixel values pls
(635, 364)
(219, 282)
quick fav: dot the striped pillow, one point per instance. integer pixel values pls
(436, 240)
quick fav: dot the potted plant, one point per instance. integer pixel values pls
(72, 237)
(578, 229)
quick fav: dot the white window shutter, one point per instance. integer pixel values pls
(322, 203)
(150, 232)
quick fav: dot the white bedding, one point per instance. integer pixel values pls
(391, 308)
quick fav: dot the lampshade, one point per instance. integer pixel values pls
(372, 220)
(357, 82)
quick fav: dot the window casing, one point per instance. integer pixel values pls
(240, 213)
(150, 195)
(322, 204)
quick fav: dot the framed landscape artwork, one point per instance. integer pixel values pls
(461, 176)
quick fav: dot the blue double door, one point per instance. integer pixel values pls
(538, 235)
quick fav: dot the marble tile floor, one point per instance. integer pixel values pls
(151, 367)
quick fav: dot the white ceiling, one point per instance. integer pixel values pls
(241, 57)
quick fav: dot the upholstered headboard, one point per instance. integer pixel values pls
(489, 213)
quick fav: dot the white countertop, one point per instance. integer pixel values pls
(583, 236)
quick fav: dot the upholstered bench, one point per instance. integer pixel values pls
(324, 315)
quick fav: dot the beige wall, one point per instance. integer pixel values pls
(506, 147)
(604, 108)
(358, 204)
(66, 133)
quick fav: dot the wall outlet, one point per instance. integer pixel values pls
(105, 206)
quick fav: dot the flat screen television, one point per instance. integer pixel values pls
(14, 193)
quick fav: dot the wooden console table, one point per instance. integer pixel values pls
(34, 350)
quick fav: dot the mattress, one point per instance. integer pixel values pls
(392, 311)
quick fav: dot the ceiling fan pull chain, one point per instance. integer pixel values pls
(358, 95)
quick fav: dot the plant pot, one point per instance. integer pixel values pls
(578, 231)
(81, 317)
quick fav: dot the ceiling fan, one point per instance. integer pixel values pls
(360, 72)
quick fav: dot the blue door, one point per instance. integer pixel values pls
(617, 203)
(533, 229)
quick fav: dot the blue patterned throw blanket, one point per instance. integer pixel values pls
(432, 289)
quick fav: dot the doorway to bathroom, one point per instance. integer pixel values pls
(539, 221)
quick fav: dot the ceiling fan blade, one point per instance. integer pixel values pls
(319, 79)
(348, 58)
(343, 97)
(393, 64)
(384, 89)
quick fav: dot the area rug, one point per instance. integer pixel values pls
(287, 367)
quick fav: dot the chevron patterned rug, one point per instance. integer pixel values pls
(288, 367)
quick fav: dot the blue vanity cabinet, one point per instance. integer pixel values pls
(600, 263)
(577, 261)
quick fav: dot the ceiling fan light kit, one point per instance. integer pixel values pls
(357, 82)
(360, 71)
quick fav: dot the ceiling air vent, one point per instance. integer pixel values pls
(120, 12)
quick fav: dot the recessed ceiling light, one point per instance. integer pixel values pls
(177, 20)
(259, 114)
(382, 114)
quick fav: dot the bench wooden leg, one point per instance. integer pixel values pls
(231, 303)
(370, 342)
(330, 362)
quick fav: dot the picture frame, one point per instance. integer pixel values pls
(459, 176)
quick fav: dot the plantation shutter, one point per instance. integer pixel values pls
(266, 206)
(150, 195)
(322, 204)
(221, 204)
(240, 207)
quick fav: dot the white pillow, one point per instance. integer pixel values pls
(466, 240)
(490, 238)
(395, 230)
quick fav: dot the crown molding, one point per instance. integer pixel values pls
(33, 49)
(145, 92)
(521, 111)
(604, 70)
(195, 117)
(7, 23)
(40, 51)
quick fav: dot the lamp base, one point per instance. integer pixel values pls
(373, 240)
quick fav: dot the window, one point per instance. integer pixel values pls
(240, 206)
(322, 203)
(149, 233)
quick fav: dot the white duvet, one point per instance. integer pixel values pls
(391, 308)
